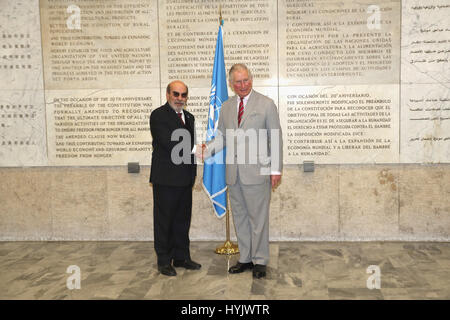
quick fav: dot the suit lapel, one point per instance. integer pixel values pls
(189, 122)
(233, 112)
(173, 116)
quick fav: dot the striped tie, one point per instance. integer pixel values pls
(241, 111)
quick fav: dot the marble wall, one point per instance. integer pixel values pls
(362, 89)
(355, 83)
(336, 202)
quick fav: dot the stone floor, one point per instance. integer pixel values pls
(297, 270)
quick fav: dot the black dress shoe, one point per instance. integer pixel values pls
(241, 267)
(167, 270)
(187, 264)
(259, 271)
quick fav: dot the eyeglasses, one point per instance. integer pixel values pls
(177, 94)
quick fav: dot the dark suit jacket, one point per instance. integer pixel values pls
(163, 122)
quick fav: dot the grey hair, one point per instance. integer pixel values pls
(238, 67)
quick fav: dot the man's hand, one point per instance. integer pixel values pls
(275, 179)
(200, 151)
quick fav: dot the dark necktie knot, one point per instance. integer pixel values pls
(180, 116)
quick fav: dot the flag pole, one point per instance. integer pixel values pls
(228, 247)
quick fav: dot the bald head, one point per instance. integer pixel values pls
(177, 94)
(176, 82)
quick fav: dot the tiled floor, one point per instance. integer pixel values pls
(297, 270)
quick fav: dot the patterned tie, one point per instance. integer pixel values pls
(181, 117)
(241, 111)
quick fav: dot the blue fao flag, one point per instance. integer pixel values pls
(214, 168)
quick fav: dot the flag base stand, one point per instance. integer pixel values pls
(227, 248)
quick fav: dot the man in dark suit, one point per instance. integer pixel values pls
(173, 174)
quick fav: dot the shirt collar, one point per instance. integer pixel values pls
(245, 98)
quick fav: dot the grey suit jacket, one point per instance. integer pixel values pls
(256, 146)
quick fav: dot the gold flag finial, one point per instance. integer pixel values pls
(220, 15)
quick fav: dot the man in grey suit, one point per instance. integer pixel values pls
(249, 128)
